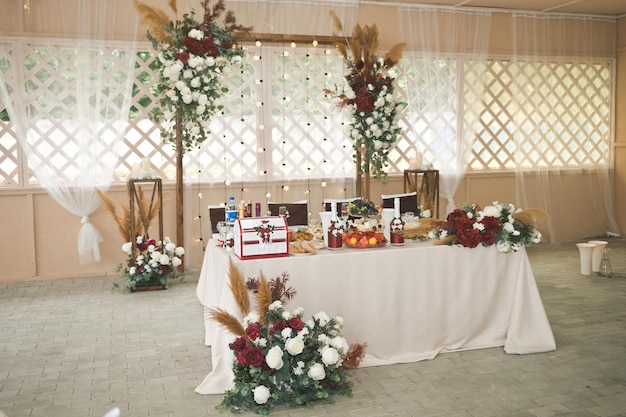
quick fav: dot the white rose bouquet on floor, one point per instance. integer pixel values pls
(282, 359)
(153, 263)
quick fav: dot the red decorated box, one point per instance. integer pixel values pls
(261, 237)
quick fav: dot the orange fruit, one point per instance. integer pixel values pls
(372, 241)
(353, 241)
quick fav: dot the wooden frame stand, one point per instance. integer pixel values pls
(426, 183)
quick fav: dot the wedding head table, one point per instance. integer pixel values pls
(407, 303)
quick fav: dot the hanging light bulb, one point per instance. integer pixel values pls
(315, 43)
(293, 44)
(258, 43)
(286, 187)
(227, 183)
(268, 195)
(199, 195)
(323, 184)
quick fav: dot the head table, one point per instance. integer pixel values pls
(408, 303)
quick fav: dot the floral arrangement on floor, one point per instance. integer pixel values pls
(369, 95)
(154, 263)
(503, 225)
(279, 357)
(193, 56)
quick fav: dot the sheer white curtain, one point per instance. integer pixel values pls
(72, 144)
(444, 66)
(562, 121)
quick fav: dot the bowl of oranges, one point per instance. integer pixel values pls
(364, 239)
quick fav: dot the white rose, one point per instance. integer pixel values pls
(294, 346)
(236, 60)
(378, 144)
(180, 251)
(253, 317)
(187, 99)
(170, 246)
(164, 259)
(200, 110)
(196, 34)
(426, 213)
(330, 356)
(492, 211)
(286, 332)
(316, 372)
(503, 246)
(261, 394)
(180, 85)
(195, 82)
(274, 358)
(176, 261)
(209, 61)
(127, 247)
(322, 317)
(275, 305)
(508, 227)
(132, 270)
(203, 99)
(340, 344)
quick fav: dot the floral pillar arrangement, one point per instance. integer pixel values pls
(369, 95)
(192, 57)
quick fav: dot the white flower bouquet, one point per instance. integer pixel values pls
(153, 263)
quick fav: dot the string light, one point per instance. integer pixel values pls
(199, 216)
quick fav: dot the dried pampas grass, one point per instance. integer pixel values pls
(227, 321)
(146, 212)
(529, 216)
(238, 288)
(263, 298)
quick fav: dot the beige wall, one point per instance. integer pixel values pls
(38, 238)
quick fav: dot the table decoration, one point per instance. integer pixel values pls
(279, 357)
(507, 227)
(370, 97)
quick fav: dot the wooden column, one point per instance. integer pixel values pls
(180, 217)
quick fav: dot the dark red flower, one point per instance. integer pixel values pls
(165, 269)
(296, 324)
(492, 224)
(488, 239)
(254, 357)
(193, 46)
(253, 331)
(364, 100)
(470, 238)
(183, 57)
(226, 43)
(240, 345)
(278, 326)
(242, 358)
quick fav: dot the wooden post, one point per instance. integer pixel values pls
(363, 173)
(180, 151)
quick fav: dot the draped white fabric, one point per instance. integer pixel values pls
(444, 67)
(571, 179)
(87, 129)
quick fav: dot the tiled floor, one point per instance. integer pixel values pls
(77, 347)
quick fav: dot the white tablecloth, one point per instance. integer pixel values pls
(407, 303)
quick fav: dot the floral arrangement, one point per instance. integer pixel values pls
(279, 357)
(192, 57)
(155, 262)
(370, 96)
(503, 225)
(362, 207)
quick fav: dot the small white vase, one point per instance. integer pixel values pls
(598, 251)
(586, 252)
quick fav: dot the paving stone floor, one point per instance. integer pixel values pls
(77, 347)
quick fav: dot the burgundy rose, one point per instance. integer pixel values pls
(226, 43)
(242, 358)
(165, 269)
(364, 101)
(254, 357)
(470, 238)
(296, 324)
(278, 326)
(183, 57)
(193, 46)
(488, 239)
(240, 345)
(253, 331)
(492, 224)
